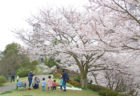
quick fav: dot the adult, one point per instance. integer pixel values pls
(65, 77)
(13, 76)
(36, 83)
(30, 77)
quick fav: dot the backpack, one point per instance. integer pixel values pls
(67, 76)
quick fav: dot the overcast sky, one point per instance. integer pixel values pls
(13, 14)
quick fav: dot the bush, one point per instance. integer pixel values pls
(2, 80)
(57, 75)
(50, 62)
(112, 93)
(77, 78)
(74, 83)
(22, 73)
(90, 86)
(108, 93)
(102, 93)
(34, 63)
(122, 95)
(96, 87)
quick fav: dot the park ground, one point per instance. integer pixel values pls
(38, 92)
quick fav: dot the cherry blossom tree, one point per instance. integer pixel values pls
(120, 21)
(69, 36)
(82, 38)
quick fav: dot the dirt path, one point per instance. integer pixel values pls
(13, 85)
(7, 87)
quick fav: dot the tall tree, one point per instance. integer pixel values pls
(12, 58)
(70, 37)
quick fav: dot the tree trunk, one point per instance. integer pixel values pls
(84, 81)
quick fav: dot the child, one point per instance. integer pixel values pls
(17, 78)
(61, 84)
(54, 85)
(43, 84)
(49, 81)
(20, 84)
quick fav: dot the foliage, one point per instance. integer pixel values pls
(77, 78)
(108, 93)
(96, 87)
(26, 67)
(122, 95)
(57, 75)
(50, 62)
(2, 80)
(71, 81)
(103, 91)
(23, 73)
(75, 83)
(12, 59)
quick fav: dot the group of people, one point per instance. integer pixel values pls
(51, 84)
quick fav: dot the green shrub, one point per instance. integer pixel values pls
(112, 93)
(108, 93)
(90, 86)
(57, 75)
(2, 80)
(77, 78)
(74, 83)
(96, 87)
(102, 93)
(122, 95)
(22, 73)
(34, 63)
(50, 62)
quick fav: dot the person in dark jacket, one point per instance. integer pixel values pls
(13, 76)
(30, 77)
(65, 78)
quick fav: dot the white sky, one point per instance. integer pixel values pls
(13, 14)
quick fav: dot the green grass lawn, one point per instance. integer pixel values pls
(38, 92)
(21, 79)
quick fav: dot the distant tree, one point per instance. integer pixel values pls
(12, 58)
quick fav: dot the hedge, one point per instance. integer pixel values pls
(2, 80)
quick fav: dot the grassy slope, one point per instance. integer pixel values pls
(38, 92)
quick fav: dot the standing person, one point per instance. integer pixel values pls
(65, 77)
(61, 84)
(49, 81)
(43, 84)
(30, 77)
(13, 76)
(17, 78)
(54, 85)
